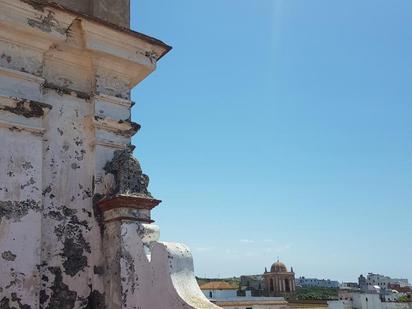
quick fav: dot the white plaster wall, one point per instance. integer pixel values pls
(257, 307)
(51, 254)
(360, 303)
(390, 305)
(165, 281)
(64, 110)
(69, 227)
(20, 220)
(366, 301)
(340, 304)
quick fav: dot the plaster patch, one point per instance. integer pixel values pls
(62, 297)
(74, 245)
(46, 23)
(96, 300)
(27, 108)
(17, 300)
(16, 210)
(8, 256)
(7, 57)
(5, 303)
(66, 91)
(73, 253)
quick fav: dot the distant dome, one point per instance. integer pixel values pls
(278, 267)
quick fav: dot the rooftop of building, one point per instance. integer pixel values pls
(249, 301)
(279, 267)
(218, 285)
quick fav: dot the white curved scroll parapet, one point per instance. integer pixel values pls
(177, 261)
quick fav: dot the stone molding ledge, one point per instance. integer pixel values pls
(125, 128)
(113, 100)
(123, 52)
(23, 76)
(19, 114)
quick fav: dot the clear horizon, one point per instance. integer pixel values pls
(280, 128)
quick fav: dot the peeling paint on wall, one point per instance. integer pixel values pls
(8, 256)
(15, 211)
(61, 296)
(65, 82)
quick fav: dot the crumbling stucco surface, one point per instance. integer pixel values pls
(75, 211)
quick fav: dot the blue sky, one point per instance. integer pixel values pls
(281, 128)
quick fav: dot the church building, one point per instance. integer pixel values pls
(279, 281)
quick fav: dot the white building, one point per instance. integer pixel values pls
(252, 303)
(219, 290)
(357, 300)
(313, 282)
(224, 295)
(391, 295)
(381, 281)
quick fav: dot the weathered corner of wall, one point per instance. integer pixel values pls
(114, 48)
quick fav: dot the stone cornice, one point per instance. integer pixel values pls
(21, 75)
(279, 274)
(112, 48)
(124, 128)
(128, 201)
(113, 100)
(17, 126)
(161, 46)
(23, 107)
(109, 144)
(22, 115)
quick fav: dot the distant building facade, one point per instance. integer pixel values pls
(252, 303)
(224, 295)
(254, 285)
(399, 288)
(370, 300)
(366, 295)
(313, 282)
(279, 281)
(383, 282)
(219, 290)
(349, 286)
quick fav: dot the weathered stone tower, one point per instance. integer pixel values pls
(75, 223)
